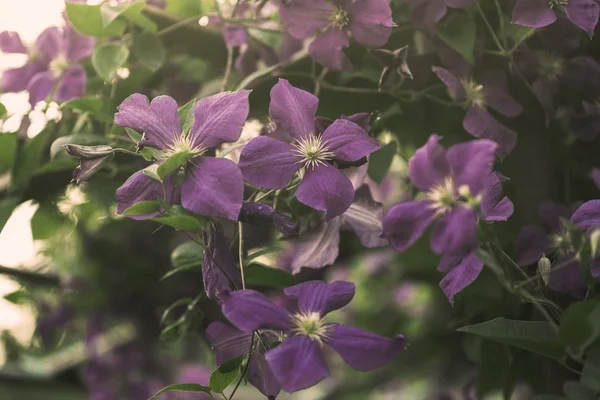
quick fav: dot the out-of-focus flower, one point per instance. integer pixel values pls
(426, 13)
(392, 62)
(541, 13)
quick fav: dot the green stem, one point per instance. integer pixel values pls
(490, 29)
(228, 68)
(178, 25)
(501, 23)
(30, 276)
(241, 252)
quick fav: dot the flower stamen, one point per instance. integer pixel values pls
(474, 92)
(311, 325)
(340, 18)
(312, 150)
(183, 144)
(58, 65)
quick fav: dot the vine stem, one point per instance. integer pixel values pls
(178, 25)
(228, 68)
(491, 30)
(241, 253)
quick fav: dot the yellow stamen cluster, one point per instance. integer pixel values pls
(444, 196)
(554, 3)
(474, 92)
(311, 325)
(312, 150)
(340, 18)
(58, 65)
(183, 144)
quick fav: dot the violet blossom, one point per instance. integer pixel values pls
(271, 163)
(454, 182)
(426, 13)
(490, 91)
(298, 362)
(51, 64)
(541, 13)
(369, 22)
(211, 186)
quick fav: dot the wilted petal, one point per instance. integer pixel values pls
(567, 279)
(456, 88)
(530, 244)
(40, 87)
(303, 18)
(318, 296)
(364, 216)
(10, 42)
(363, 350)
(314, 250)
(227, 342)
(348, 141)
(461, 276)
(584, 14)
(429, 166)
(455, 233)
(479, 123)
(297, 363)
(17, 79)
(72, 84)
(235, 35)
(79, 46)
(533, 13)
(158, 120)
(218, 267)
(493, 206)
(472, 163)
(404, 223)
(49, 44)
(250, 310)
(263, 214)
(326, 189)
(139, 187)
(495, 87)
(219, 118)
(371, 22)
(326, 49)
(269, 163)
(588, 215)
(213, 187)
(293, 109)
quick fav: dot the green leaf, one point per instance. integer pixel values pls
(180, 222)
(30, 158)
(261, 275)
(183, 387)
(150, 171)
(108, 58)
(459, 32)
(18, 297)
(175, 271)
(46, 221)
(7, 207)
(8, 150)
(576, 391)
(225, 374)
(580, 325)
(143, 208)
(535, 336)
(2, 111)
(89, 103)
(171, 164)
(188, 254)
(380, 161)
(131, 12)
(149, 50)
(178, 303)
(590, 375)
(60, 164)
(88, 20)
(136, 137)
(186, 116)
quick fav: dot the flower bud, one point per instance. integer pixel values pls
(595, 241)
(91, 159)
(544, 266)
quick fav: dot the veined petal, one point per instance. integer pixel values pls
(533, 13)
(371, 22)
(461, 276)
(50, 43)
(219, 272)
(326, 189)
(297, 363)
(17, 79)
(530, 244)
(72, 84)
(495, 87)
(404, 223)
(40, 87)
(158, 120)
(318, 296)
(269, 163)
(426, 13)
(567, 279)
(219, 118)
(584, 14)
(10, 42)
(480, 123)
(588, 215)
(227, 342)
(456, 88)
(140, 187)
(249, 310)
(79, 47)
(365, 216)
(493, 206)
(429, 166)
(326, 49)
(213, 187)
(455, 233)
(303, 18)
(363, 350)
(348, 141)
(261, 376)
(472, 163)
(293, 109)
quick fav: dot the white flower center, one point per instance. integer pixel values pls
(554, 3)
(183, 144)
(58, 65)
(312, 150)
(445, 195)
(311, 325)
(474, 92)
(340, 18)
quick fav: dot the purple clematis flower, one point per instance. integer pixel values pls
(298, 362)
(454, 182)
(219, 273)
(229, 342)
(272, 164)
(426, 13)
(540, 13)
(211, 186)
(491, 91)
(51, 63)
(369, 21)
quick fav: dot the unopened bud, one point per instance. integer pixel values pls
(545, 266)
(91, 159)
(88, 152)
(595, 241)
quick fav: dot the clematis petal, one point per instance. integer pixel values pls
(404, 223)
(567, 279)
(40, 86)
(426, 13)
(318, 296)
(72, 84)
(582, 73)
(10, 42)
(326, 189)
(235, 35)
(269, 163)
(79, 47)
(158, 120)
(455, 233)
(588, 215)
(493, 206)
(17, 79)
(213, 187)
(472, 163)
(219, 118)
(249, 310)
(297, 363)
(348, 141)
(293, 109)
(49, 44)
(495, 86)
(551, 212)
(371, 22)
(530, 244)
(584, 14)
(364, 216)
(227, 342)
(263, 214)
(245, 63)
(326, 49)
(363, 350)
(533, 13)
(480, 123)
(261, 376)
(454, 85)
(303, 18)
(461, 276)
(218, 266)
(429, 166)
